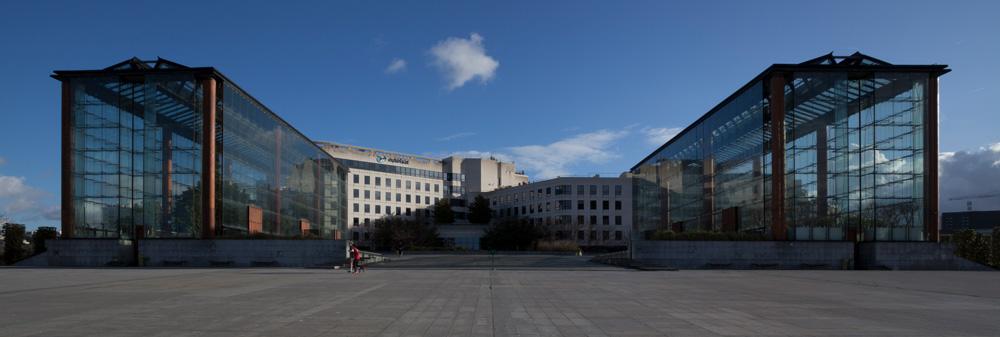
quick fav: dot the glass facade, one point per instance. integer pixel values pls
(135, 155)
(855, 141)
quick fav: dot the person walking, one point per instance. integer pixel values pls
(355, 259)
(350, 257)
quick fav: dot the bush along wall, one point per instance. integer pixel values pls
(975, 246)
(669, 235)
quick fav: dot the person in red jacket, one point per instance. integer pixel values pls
(355, 259)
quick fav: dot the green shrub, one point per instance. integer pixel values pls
(13, 243)
(668, 235)
(438, 249)
(977, 247)
(558, 246)
(42, 234)
(994, 260)
(268, 236)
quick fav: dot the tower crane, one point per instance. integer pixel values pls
(978, 196)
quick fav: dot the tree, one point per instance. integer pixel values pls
(42, 234)
(390, 231)
(13, 243)
(513, 234)
(187, 212)
(443, 213)
(480, 211)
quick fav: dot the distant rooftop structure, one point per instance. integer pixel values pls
(855, 59)
(136, 64)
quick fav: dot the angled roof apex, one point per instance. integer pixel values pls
(855, 59)
(135, 63)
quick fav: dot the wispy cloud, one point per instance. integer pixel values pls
(479, 154)
(553, 159)
(572, 155)
(968, 173)
(22, 202)
(378, 43)
(462, 60)
(556, 159)
(457, 135)
(3, 161)
(396, 66)
(659, 136)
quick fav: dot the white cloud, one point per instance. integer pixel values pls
(967, 173)
(14, 187)
(25, 203)
(457, 135)
(396, 66)
(660, 136)
(567, 156)
(479, 154)
(553, 160)
(462, 60)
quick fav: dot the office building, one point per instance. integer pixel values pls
(980, 221)
(837, 148)
(155, 149)
(594, 212)
(386, 183)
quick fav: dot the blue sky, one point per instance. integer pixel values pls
(558, 87)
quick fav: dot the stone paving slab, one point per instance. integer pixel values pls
(401, 299)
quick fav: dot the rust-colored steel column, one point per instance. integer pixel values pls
(708, 193)
(68, 162)
(821, 172)
(757, 172)
(208, 159)
(666, 204)
(931, 187)
(168, 179)
(318, 190)
(778, 229)
(277, 181)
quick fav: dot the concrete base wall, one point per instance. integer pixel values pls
(83, 253)
(743, 254)
(191, 253)
(913, 256)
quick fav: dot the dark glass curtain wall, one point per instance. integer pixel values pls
(854, 160)
(134, 141)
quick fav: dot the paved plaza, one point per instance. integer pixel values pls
(508, 296)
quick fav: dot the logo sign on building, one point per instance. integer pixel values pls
(384, 159)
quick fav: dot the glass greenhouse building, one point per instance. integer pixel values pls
(837, 148)
(154, 149)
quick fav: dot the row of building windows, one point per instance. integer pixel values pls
(378, 209)
(409, 212)
(567, 219)
(557, 190)
(399, 197)
(361, 165)
(399, 183)
(564, 205)
(605, 235)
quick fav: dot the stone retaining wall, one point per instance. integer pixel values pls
(913, 256)
(744, 254)
(191, 253)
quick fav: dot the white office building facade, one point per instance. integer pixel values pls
(594, 212)
(385, 183)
